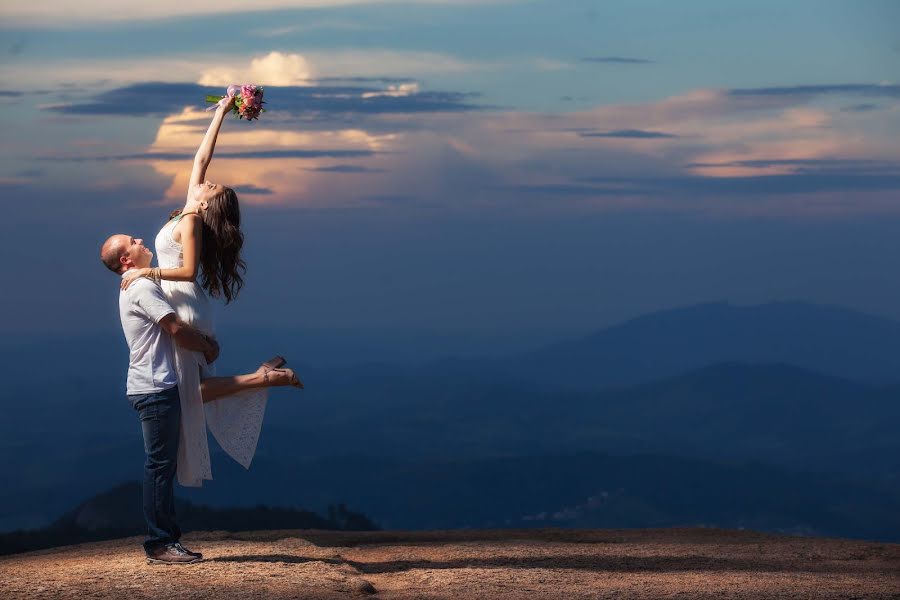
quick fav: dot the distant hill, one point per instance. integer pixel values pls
(118, 513)
(779, 414)
(587, 489)
(836, 341)
(776, 413)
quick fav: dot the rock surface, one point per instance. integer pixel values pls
(482, 565)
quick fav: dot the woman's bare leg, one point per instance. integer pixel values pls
(213, 388)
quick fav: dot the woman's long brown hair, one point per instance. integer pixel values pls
(221, 265)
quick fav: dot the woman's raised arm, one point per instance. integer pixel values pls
(208, 145)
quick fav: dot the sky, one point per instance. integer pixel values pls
(538, 169)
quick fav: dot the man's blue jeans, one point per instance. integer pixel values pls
(160, 414)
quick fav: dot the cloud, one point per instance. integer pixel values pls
(31, 172)
(717, 126)
(183, 156)
(9, 183)
(252, 189)
(628, 133)
(365, 80)
(345, 169)
(858, 166)
(845, 89)
(166, 98)
(860, 107)
(395, 91)
(275, 69)
(615, 60)
(274, 162)
(48, 13)
(325, 24)
(804, 194)
(137, 99)
(722, 152)
(750, 187)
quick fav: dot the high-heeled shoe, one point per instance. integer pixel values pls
(271, 365)
(295, 381)
(274, 363)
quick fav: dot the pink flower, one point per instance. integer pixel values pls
(248, 100)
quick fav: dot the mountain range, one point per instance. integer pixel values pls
(808, 389)
(830, 340)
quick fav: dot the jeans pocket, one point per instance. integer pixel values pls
(149, 411)
(137, 401)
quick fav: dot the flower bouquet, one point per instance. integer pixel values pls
(248, 100)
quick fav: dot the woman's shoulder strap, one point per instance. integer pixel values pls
(178, 217)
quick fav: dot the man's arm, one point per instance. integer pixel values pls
(189, 337)
(149, 300)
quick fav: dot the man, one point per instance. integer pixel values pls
(150, 326)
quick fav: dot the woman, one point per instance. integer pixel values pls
(204, 238)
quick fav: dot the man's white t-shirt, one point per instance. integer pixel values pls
(151, 366)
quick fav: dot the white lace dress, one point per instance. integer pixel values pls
(235, 420)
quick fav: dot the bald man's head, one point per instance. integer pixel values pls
(121, 252)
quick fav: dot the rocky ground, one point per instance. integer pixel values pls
(477, 565)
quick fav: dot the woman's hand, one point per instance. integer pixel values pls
(132, 275)
(228, 103)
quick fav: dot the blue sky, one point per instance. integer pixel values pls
(484, 167)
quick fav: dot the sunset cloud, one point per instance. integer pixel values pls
(704, 146)
(333, 145)
(48, 12)
(282, 162)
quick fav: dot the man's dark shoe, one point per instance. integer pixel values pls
(171, 554)
(183, 549)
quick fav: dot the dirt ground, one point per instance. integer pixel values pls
(476, 565)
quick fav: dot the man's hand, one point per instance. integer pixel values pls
(213, 353)
(190, 338)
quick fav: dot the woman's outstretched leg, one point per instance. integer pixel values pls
(213, 388)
